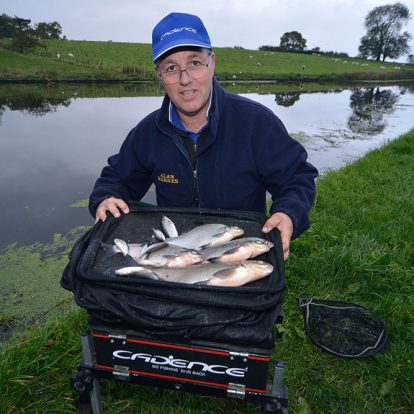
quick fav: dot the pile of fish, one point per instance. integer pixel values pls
(209, 254)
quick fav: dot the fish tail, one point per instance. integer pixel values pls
(168, 227)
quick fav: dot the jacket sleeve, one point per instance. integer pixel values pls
(124, 177)
(288, 176)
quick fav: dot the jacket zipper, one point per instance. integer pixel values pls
(195, 186)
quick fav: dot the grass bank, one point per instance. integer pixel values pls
(359, 248)
(72, 60)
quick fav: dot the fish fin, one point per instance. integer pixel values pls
(214, 259)
(227, 281)
(232, 276)
(158, 234)
(226, 255)
(205, 246)
(219, 234)
(228, 272)
(153, 247)
(143, 260)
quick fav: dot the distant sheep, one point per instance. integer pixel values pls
(258, 64)
(58, 56)
(303, 66)
(70, 55)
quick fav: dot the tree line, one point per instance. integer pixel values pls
(25, 36)
(383, 38)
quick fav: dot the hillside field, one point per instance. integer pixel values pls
(113, 61)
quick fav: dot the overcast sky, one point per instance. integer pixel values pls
(334, 25)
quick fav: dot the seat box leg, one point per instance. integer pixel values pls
(85, 384)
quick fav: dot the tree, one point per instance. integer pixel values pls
(24, 37)
(384, 38)
(410, 58)
(6, 26)
(292, 41)
(48, 30)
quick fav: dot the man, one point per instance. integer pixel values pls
(205, 147)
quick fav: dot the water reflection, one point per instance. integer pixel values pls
(369, 107)
(32, 104)
(287, 99)
(56, 139)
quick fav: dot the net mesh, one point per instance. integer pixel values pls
(342, 328)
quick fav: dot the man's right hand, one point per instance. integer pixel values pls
(113, 205)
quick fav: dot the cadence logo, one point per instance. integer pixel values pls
(180, 363)
(178, 29)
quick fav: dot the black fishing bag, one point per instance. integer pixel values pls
(243, 315)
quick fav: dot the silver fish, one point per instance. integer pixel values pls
(214, 274)
(158, 235)
(171, 256)
(206, 235)
(237, 250)
(134, 250)
(168, 227)
(122, 246)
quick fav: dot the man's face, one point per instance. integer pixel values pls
(191, 92)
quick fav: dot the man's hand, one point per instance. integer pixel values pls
(284, 224)
(112, 205)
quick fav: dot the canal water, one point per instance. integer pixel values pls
(55, 140)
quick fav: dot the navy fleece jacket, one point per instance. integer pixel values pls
(244, 152)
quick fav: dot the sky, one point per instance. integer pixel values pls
(332, 25)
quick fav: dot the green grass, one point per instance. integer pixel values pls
(87, 60)
(18, 67)
(359, 248)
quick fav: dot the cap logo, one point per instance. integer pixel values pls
(178, 29)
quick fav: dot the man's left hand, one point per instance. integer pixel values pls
(284, 224)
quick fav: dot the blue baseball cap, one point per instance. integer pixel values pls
(178, 29)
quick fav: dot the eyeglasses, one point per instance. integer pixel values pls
(195, 70)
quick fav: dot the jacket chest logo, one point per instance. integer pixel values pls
(167, 178)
